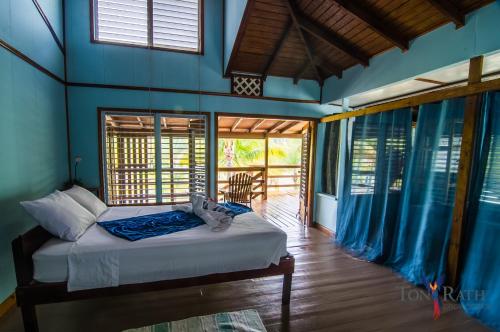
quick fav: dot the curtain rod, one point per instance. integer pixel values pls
(429, 97)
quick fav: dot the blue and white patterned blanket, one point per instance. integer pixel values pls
(142, 227)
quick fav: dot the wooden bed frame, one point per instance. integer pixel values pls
(30, 293)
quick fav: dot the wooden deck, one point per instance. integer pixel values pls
(331, 291)
(280, 209)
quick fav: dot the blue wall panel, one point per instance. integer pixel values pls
(34, 151)
(22, 26)
(54, 12)
(233, 13)
(33, 125)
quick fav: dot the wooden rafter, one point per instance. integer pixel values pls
(140, 122)
(328, 37)
(450, 10)
(330, 69)
(277, 49)
(302, 71)
(293, 13)
(276, 126)
(426, 80)
(236, 124)
(239, 37)
(337, 71)
(257, 125)
(375, 22)
(288, 126)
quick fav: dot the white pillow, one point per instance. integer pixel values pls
(60, 215)
(86, 199)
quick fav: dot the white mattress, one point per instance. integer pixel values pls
(250, 243)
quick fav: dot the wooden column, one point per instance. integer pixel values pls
(312, 166)
(471, 113)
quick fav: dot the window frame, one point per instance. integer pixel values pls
(201, 29)
(101, 113)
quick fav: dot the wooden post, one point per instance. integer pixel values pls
(287, 289)
(472, 108)
(266, 166)
(312, 166)
(30, 322)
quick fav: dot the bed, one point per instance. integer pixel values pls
(99, 264)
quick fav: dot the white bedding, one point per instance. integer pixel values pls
(99, 259)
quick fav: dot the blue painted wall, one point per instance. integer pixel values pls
(84, 102)
(106, 64)
(440, 48)
(33, 125)
(233, 13)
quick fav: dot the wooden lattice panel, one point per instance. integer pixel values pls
(247, 85)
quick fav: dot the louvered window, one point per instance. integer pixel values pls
(164, 24)
(153, 158)
(364, 159)
(445, 163)
(491, 185)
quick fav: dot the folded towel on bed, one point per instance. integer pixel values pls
(207, 210)
(141, 227)
(217, 216)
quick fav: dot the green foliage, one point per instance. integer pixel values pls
(250, 152)
(285, 151)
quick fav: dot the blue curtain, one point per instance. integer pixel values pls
(420, 244)
(480, 283)
(373, 175)
(399, 188)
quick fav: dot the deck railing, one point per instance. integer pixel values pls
(263, 177)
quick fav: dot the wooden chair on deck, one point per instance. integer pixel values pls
(239, 189)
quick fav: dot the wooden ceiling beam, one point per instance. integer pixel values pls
(236, 124)
(140, 122)
(381, 26)
(277, 49)
(288, 126)
(328, 37)
(239, 37)
(257, 125)
(337, 71)
(301, 72)
(427, 80)
(293, 13)
(450, 10)
(331, 69)
(276, 126)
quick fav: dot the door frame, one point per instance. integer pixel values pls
(313, 122)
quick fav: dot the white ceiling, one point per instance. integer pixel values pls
(454, 73)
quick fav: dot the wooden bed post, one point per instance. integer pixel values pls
(23, 248)
(30, 321)
(287, 289)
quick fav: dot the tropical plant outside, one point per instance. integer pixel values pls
(251, 153)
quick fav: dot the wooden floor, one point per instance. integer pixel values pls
(331, 292)
(280, 209)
